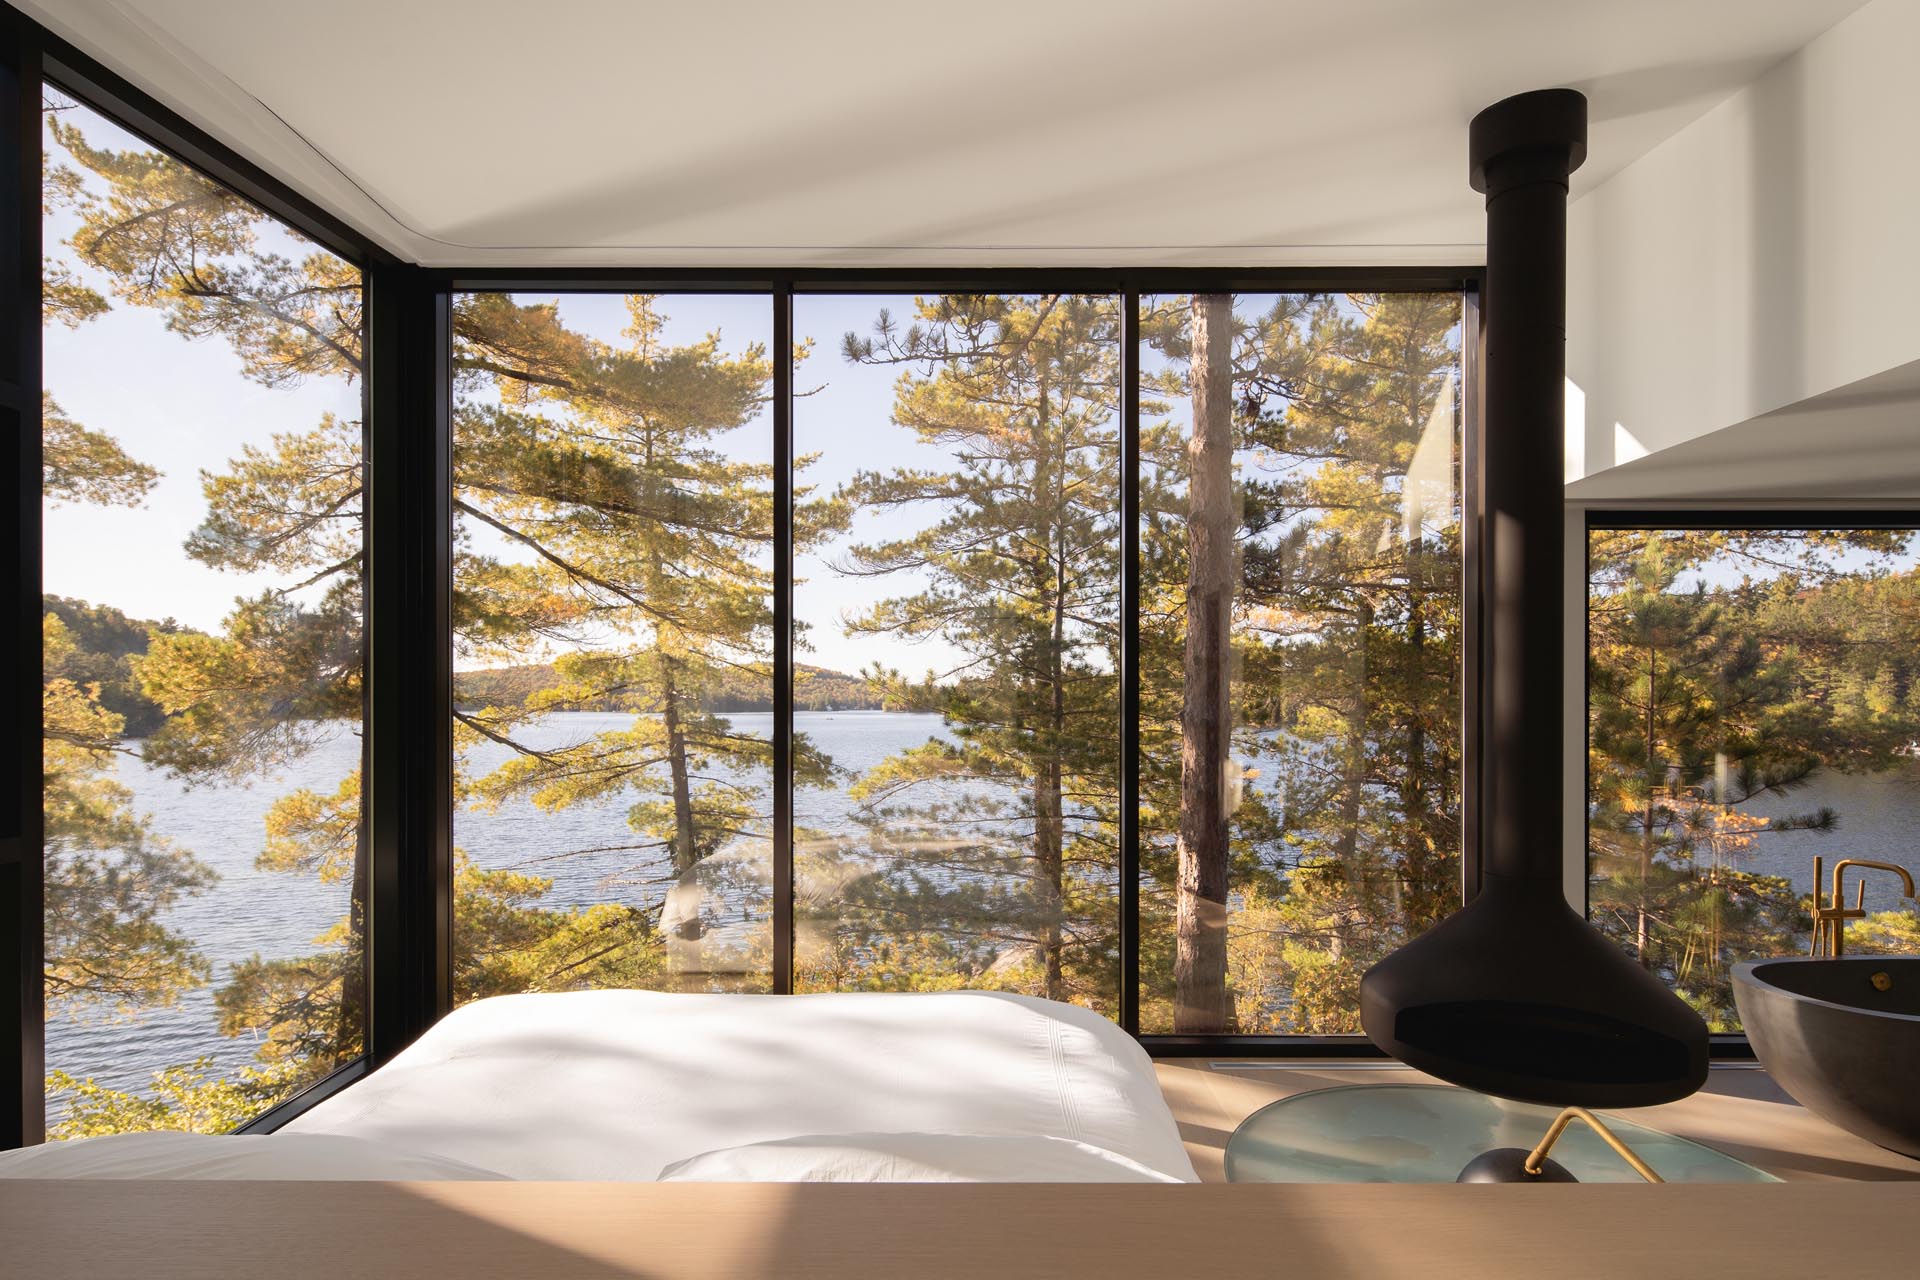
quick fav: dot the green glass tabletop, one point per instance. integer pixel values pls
(1428, 1133)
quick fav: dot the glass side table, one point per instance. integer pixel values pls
(1428, 1133)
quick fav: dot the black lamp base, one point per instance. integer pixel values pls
(1509, 1164)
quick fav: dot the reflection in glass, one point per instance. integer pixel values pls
(1300, 650)
(1753, 702)
(205, 876)
(613, 506)
(961, 608)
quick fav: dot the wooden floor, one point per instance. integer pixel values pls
(1741, 1112)
(713, 1231)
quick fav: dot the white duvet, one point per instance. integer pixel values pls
(617, 1085)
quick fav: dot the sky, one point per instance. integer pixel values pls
(844, 413)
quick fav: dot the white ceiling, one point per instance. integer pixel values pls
(1044, 132)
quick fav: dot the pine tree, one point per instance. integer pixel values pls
(592, 458)
(108, 877)
(1704, 698)
(599, 466)
(1343, 643)
(1000, 839)
(1200, 1001)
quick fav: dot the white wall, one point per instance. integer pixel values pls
(1767, 253)
(1766, 256)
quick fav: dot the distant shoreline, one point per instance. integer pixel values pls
(815, 689)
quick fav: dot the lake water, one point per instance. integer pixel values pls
(252, 912)
(1879, 818)
(275, 914)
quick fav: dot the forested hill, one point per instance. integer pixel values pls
(105, 642)
(815, 689)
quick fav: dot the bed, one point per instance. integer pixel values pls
(628, 1085)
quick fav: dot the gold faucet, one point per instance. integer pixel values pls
(1830, 920)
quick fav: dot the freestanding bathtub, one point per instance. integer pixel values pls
(1843, 1037)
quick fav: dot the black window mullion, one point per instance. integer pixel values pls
(782, 638)
(1129, 825)
(1473, 653)
(22, 857)
(408, 791)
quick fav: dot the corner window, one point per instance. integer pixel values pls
(205, 869)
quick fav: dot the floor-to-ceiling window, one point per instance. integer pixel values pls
(957, 594)
(204, 867)
(958, 559)
(1300, 649)
(613, 688)
(1753, 703)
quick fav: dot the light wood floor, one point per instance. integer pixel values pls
(1741, 1112)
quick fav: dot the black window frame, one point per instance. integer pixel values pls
(408, 760)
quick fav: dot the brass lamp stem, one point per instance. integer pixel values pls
(1535, 1161)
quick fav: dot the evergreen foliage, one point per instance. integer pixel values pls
(1344, 646)
(588, 456)
(1708, 692)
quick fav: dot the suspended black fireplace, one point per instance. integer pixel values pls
(1515, 994)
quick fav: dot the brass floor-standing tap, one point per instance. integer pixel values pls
(1830, 919)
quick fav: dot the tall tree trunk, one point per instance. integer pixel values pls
(1423, 906)
(1200, 1002)
(684, 852)
(1048, 816)
(1353, 784)
(1049, 803)
(1048, 829)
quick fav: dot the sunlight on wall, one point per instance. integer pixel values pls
(1626, 445)
(1576, 431)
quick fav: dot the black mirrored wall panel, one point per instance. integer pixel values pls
(613, 642)
(956, 703)
(1753, 704)
(205, 869)
(1301, 649)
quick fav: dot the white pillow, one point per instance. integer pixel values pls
(912, 1157)
(303, 1157)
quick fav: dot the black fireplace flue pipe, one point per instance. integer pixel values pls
(1521, 153)
(1515, 994)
